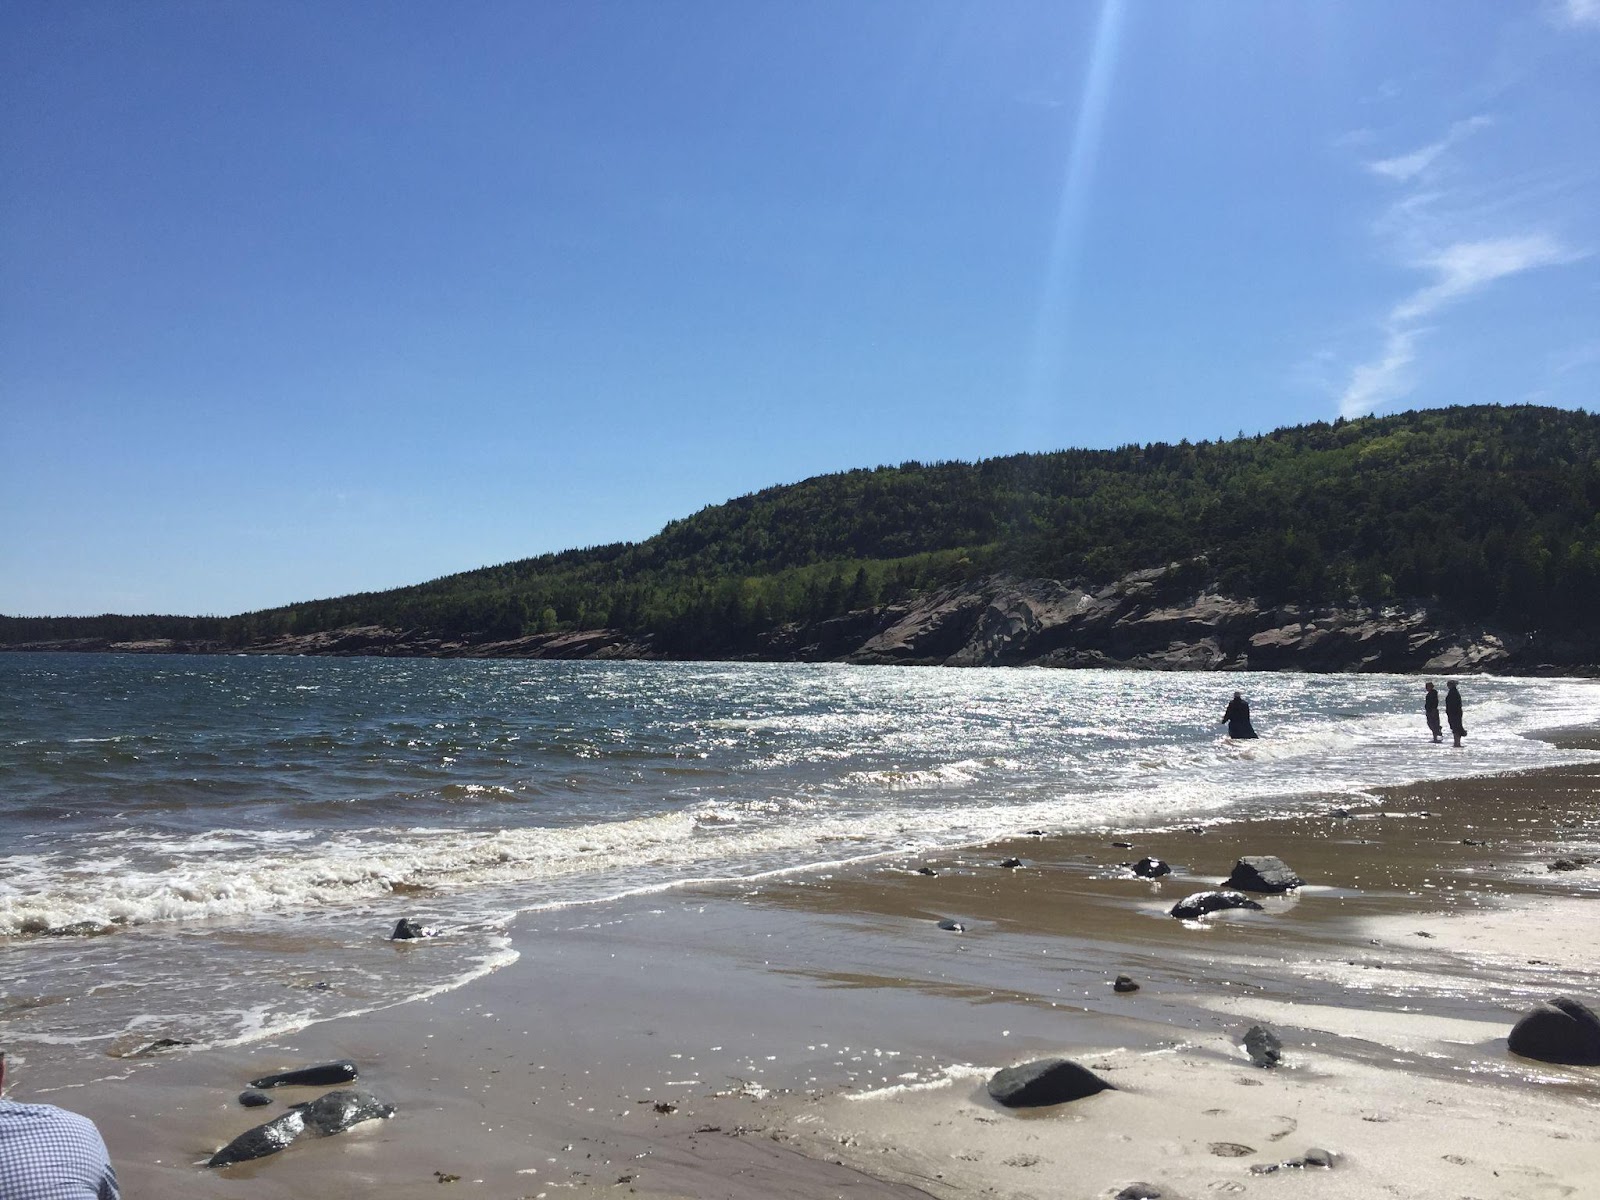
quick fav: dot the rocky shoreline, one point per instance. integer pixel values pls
(1137, 623)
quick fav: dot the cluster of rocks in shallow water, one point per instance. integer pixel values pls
(332, 1112)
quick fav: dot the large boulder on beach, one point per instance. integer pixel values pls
(1262, 873)
(337, 1111)
(320, 1075)
(1560, 1030)
(1192, 908)
(1046, 1081)
(261, 1141)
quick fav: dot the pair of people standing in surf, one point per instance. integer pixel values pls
(1452, 711)
(1237, 714)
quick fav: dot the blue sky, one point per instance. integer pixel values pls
(299, 299)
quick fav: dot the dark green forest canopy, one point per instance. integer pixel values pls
(1488, 512)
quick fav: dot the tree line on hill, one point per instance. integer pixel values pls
(1491, 513)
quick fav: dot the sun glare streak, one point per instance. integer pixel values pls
(1052, 333)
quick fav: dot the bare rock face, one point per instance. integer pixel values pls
(1047, 1081)
(1008, 629)
(928, 631)
(1560, 1030)
(1470, 654)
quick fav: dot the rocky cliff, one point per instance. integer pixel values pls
(1141, 622)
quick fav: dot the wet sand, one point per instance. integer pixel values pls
(820, 1035)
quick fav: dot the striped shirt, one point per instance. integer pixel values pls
(48, 1153)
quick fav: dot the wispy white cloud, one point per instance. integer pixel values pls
(1582, 13)
(1462, 236)
(1459, 271)
(1384, 378)
(1467, 267)
(1405, 167)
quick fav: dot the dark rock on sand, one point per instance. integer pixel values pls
(1262, 873)
(1123, 845)
(407, 930)
(952, 926)
(1139, 1191)
(251, 1098)
(1317, 1158)
(1124, 983)
(337, 1111)
(1046, 1081)
(1569, 864)
(1192, 908)
(320, 1075)
(1263, 1046)
(1560, 1030)
(260, 1141)
(1149, 868)
(1011, 864)
(926, 871)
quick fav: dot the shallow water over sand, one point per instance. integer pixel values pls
(229, 840)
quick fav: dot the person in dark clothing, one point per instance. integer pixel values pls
(1452, 711)
(1237, 715)
(1430, 709)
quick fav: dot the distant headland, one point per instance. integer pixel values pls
(1443, 540)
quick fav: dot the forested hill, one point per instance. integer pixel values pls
(1491, 513)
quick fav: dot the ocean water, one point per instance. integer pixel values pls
(214, 849)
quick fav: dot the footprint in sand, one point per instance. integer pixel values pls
(1289, 1126)
(1231, 1149)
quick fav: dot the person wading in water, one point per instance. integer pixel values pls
(1430, 709)
(1452, 711)
(1237, 715)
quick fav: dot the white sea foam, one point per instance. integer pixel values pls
(942, 1078)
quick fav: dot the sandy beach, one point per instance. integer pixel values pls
(821, 1035)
